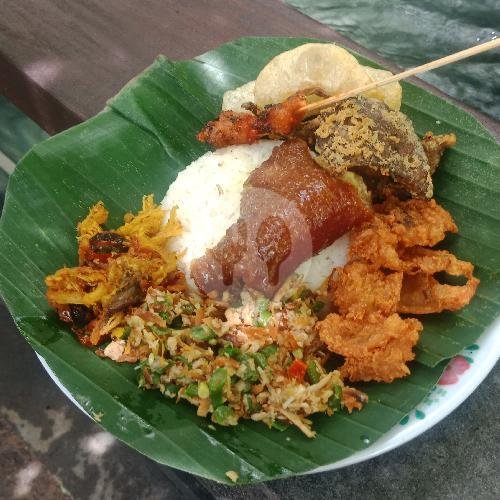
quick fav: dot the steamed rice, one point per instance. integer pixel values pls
(207, 195)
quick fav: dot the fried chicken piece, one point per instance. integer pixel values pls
(398, 225)
(359, 288)
(417, 222)
(376, 347)
(232, 127)
(361, 132)
(422, 293)
(435, 145)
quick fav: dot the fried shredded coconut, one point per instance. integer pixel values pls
(391, 271)
(115, 269)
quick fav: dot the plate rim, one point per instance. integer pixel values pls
(387, 442)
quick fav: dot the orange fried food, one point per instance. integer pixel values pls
(360, 288)
(232, 127)
(389, 272)
(416, 222)
(374, 242)
(376, 347)
(398, 225)
(422, 293)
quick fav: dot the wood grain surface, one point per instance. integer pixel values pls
(61, 60)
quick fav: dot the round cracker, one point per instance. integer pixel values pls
(320, 65)
(390, 93)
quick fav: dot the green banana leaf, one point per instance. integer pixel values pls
(136, 146)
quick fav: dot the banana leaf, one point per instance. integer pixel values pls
(135, 146)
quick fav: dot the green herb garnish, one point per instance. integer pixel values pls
(334, 401)
(191, 390)
(216, 386)
(202, 333)
(313, 372)
(222, 415)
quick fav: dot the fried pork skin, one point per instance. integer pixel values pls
(389, 272)
(422, 293)
(290, 209)
(376, 347)
(359, 288)
(398, 225)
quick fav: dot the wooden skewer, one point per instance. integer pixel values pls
(477, 49)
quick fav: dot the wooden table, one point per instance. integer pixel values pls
(60, 61)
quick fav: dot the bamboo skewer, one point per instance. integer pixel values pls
(477, 49)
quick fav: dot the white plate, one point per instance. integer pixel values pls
(463, 374)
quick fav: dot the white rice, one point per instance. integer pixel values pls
(207, 195)
(233, 99)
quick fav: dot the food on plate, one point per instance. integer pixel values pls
(232, 127)
(399, 225)
(276, 271)
(206, 196)
(375, 347)
(324, 67)
(421, 291)
(115, 269)
(365, 134)
(234, 362)
(291, 209)
(391, 270)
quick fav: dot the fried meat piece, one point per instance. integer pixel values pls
(360, 132)
(375, 243)
(398, 225)
(422, 293)
(290, 209)
(417, 222)
(435, 146)
(232, 127)
(376, 347)
(359, 288)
